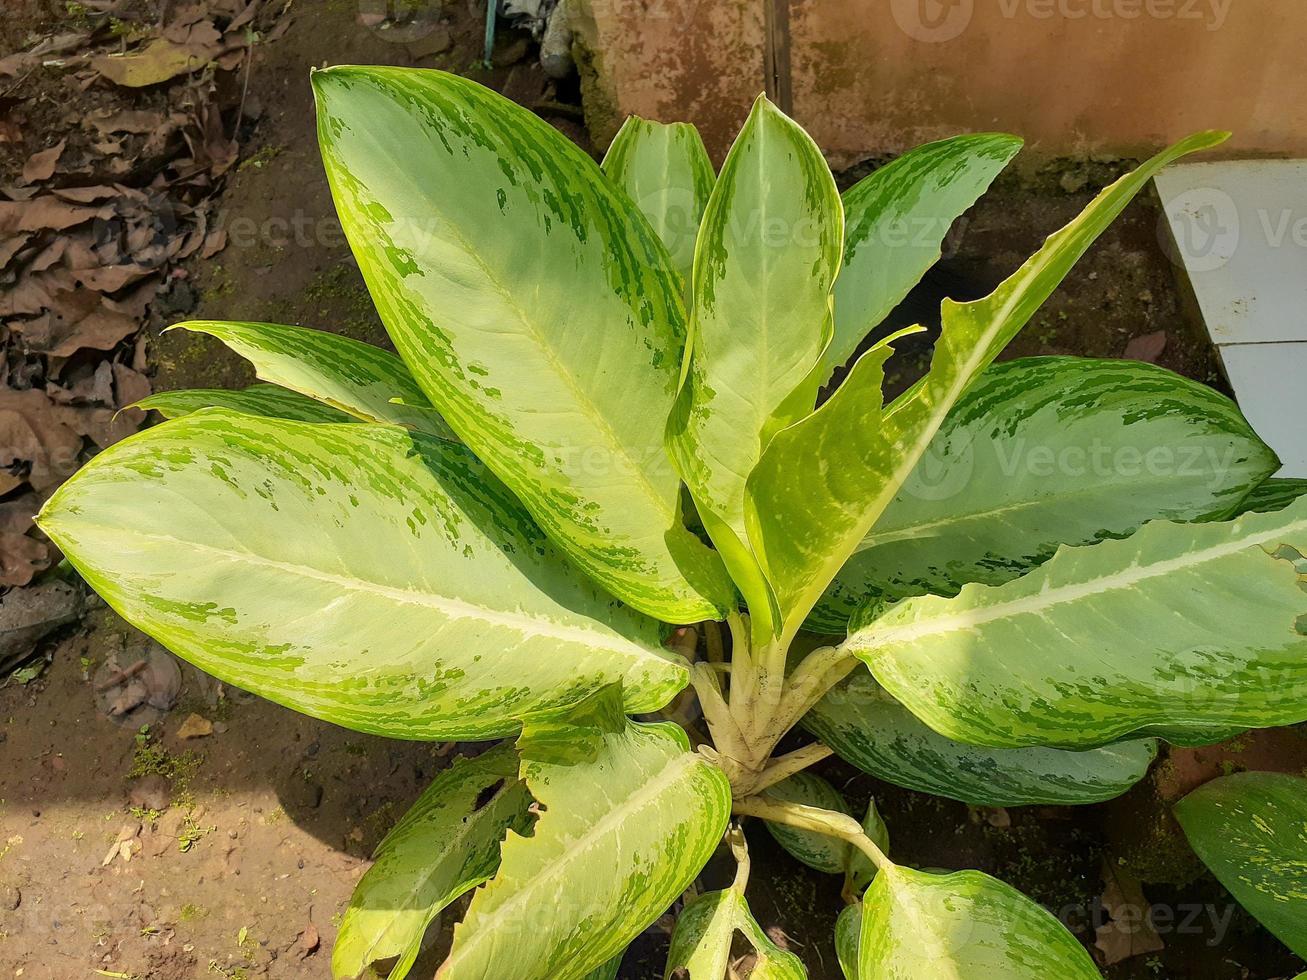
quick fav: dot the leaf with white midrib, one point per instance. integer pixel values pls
(445, 845)
(986, 513)
(561, 385)
(629, 817)
(1178, 631)
(961, 926)
(425, 605)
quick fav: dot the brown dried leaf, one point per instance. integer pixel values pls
(1130, 933)
(9, 247)
(79, 319)
(40, 166)
(22, 558)
(16, 64)
(1147, 348)
(36, 431)
(106, 121)
(46, 212)
(85, 195)
(157, 62)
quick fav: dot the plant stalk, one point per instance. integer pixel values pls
(828, 822)
(782, 767)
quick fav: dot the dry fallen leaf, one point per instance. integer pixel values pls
(36, 431)
(158, 61)
(309, 941)
(1130, 933)
(40, 166)
(1147, 348)
(45, 213)
(195, 726)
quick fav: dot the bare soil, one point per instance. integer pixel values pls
(234, 853)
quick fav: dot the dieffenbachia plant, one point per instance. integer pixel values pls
(605, 419)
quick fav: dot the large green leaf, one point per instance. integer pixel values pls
(535, 307)
(963, 926)
(1250, 829)
(1177, 631)
(445, 845)
(664, 168)
(272, 401)
(701, 944)
(631, 815)
(825, 481)
(377, 578)
(818, 851)
(897, 219)
(767, 256)
(357, 378)
(1043, 452)
(868, 728)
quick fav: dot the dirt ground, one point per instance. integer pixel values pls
(146, 854)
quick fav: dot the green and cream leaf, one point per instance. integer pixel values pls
(535, 307)
(964, 925)
(630, 816)
(1110, 640)
(664, 168)
(444, 846)
(1250, 829)
(271, 401)
(362, 381)
(896, 221)
(766, 260)
(424, 605)
(1043, 452)
(869, 729)
(824, 482)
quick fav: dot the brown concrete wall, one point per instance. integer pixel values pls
(874, 76)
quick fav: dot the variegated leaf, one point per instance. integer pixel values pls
(1273, 495)
(630, 816)
(361, 380)
(767, 256)
(377, 578)
(848, 932)
(664, 168)
(705, 929)
(897, 219)
(868, 728)
(818, 851)
(1179, 631)
(963, 926)
(445, 845)
(1043, 452)
(861, 870)
(824, 482)
(702, 943)
(535, 307)
(1250, 829)
(271, 401)
(609, 970)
